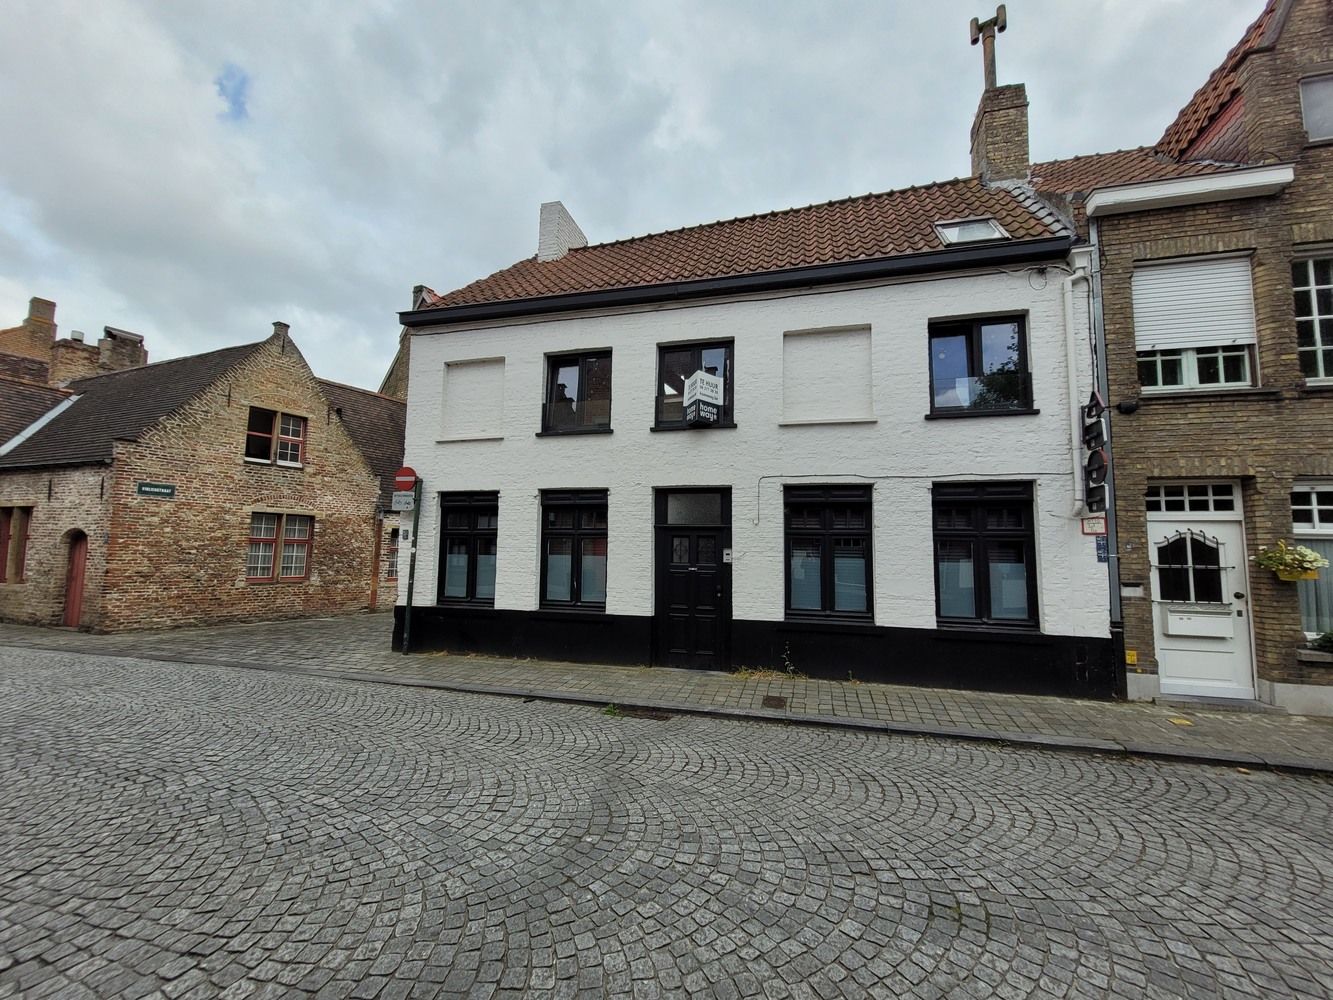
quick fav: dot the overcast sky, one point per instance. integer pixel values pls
(195, 171)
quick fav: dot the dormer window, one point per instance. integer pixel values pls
(1317, 107)
(970, 231)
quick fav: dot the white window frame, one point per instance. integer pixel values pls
(1316, 317)
(1319, 530)
(1189, 369)
(997, 230)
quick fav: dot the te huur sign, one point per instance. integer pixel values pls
(703, 399)
(160, 491)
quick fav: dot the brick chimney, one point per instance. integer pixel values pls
(558, 233)
(1000, 128)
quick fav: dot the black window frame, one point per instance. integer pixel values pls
(580, 502)
(727, 416)
(972, 329)
(475, 504)
(828, 499)
(980, 497)
(554, 362)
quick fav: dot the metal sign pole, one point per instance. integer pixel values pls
(412, 566)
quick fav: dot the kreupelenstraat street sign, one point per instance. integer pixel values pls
(162, 491)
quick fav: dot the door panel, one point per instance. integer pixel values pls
(693, 599)
(1201, 610)
(78, 558)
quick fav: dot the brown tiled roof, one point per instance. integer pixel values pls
(868, 227)
(120, 406)
(22, 402)
(1220, 87)
(1081, 174)
(376, 425)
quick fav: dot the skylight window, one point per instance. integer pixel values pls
(970, 231)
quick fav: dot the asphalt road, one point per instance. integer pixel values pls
(192, 831)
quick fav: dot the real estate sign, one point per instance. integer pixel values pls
(703, 399)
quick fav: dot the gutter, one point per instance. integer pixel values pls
(953, 258)
(1253, 182)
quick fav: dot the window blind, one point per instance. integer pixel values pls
(1193, 303)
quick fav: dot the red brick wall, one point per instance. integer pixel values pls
(182, 561)
(62, 501)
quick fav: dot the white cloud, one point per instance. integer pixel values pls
(390, 143)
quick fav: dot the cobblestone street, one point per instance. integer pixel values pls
(197, 831)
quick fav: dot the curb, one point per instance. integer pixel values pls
(1042, 741)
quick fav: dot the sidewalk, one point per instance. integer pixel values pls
(356, 648)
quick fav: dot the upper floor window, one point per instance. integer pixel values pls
(979, 365)
(468, 546)
(1312, 287)
(578, 393)
(271, 436)
(677, 363)
(1196, 368)
(13, 543)
(1194, 323)
(1317, 107)
(279, 547)
(1312, 526)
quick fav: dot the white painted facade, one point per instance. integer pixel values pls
(839, 428)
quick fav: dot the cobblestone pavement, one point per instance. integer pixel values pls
(358, 645)
(174, 830)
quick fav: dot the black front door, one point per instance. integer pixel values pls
(693, 579)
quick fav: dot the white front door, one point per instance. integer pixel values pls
(1200, 600)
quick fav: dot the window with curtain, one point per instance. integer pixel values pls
(1312, 524)
(985, 554)
(828, 552)
(573, 571)
(469, 523)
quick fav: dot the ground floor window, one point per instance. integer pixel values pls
(828, 552)
(14, 523)
(391, 556)
(573, 571)
(1312, 524)
(468, 547)
(279, 547)
(985, 554)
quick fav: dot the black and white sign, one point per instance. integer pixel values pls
(703, 399)
(403, 500)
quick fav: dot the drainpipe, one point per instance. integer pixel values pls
(1112, 533)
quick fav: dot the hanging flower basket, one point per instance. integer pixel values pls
(1291, 575)
(1290, 562)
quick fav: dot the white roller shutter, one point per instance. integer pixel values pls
(1193, 303)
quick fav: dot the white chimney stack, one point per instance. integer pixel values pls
(558, 233)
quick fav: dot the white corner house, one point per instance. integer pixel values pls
(844, 439)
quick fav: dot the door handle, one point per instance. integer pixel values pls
(1238, 596)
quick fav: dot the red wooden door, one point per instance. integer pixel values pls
(78, 557)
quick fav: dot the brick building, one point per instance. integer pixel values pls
(227, 486)
(1214, 274)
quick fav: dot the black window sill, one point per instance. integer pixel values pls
(1149, 398)
(594, 609)
(986, 630)
(573, 432)
(464, 602)
(957, 414)
(685, 427)
(795, 618)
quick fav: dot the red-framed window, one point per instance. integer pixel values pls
(13, 543)
(279, 547)
(275, 437)
(391, 554)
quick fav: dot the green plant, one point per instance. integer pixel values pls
(788, 664)
(613, 710)
(1323, 643)
(1289, 558)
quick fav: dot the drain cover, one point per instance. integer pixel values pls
(774, 701)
